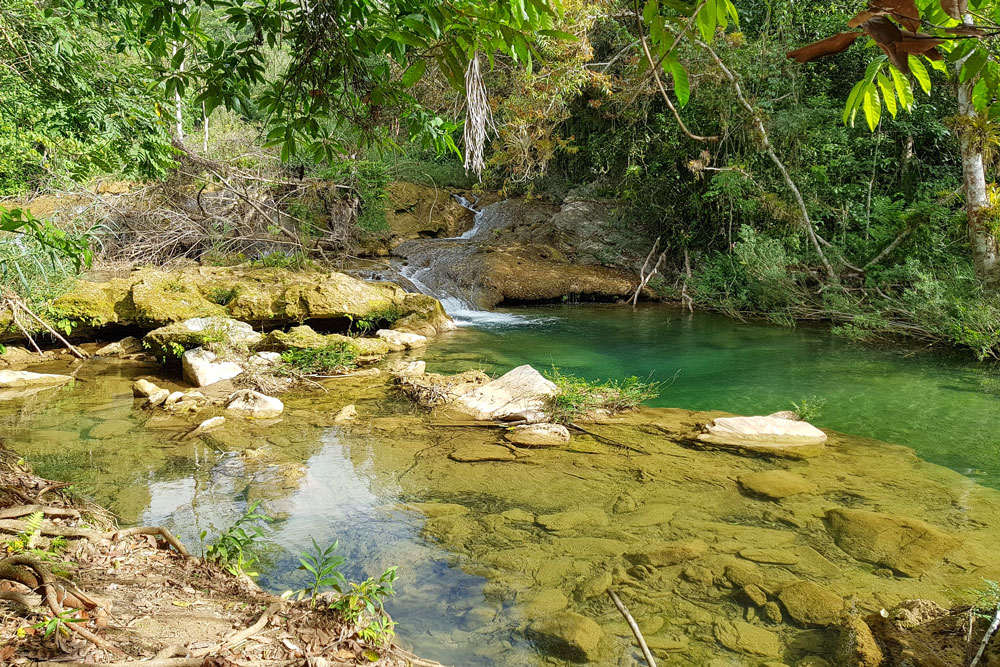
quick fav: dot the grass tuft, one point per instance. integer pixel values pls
(578, 397)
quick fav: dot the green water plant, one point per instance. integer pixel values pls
(234, 550)
(332, 358)
(809, 408)
(362, 607)
(576, 396)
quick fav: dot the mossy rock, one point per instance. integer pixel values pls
(158, 298)
(304, 337)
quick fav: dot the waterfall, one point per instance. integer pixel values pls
(428, 260)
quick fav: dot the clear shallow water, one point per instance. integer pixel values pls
(940, 402)
(472, 574)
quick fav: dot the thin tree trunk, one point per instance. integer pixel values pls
(204, 125)
(985, 251)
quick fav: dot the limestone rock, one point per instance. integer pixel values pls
(199, 331)
(346, 413)
(480, 452)
(399, 340)
(588, 516)
(433, 390)
(201, 368)
(742, 637)
(744, 574)
(206, 426)
(255, 405)
(539, 435)
(856, 646)
(771, 613)
(594, 586)
(776, 484)
(810, 604)
(412, 368)
(669, 553)
(143, 388)
(124, 347)
(111, 428)
(907, 546)
(157, 397)
(521, 390)
(173, 398)
(754, 595)
(21, 379)
(663, 645)
(765, 435)
(568, 635)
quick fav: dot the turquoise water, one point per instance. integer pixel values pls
(940, 402)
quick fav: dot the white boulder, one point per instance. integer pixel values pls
(761, 433)
(520, 391)
(201, 368)
(143, 388)
(346, 414)
(255, 405)
(399, 340)
(538, 435)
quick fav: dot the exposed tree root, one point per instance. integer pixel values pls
(25, 510)
(152, 530)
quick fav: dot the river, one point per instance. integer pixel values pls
(487, 549)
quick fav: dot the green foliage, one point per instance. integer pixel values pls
(810, 408)
(323, 565)
(222, 295)
(361, 605)
(234, 550)
(57, 625)
(376, 319)
(332, 358)
(577, 397)
(369, 181)
(986, 600)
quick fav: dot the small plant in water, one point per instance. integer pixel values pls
(332, 358)
(362, 607)
(810, 408)
(577, 396)
(234, 549)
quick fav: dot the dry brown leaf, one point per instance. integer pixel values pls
(862, 17)
(970, 30)
(956, 9)
(887, 35)
(903, 12)
(917, 42)
(933, 54)
(825, 47)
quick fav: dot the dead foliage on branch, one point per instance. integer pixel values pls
(244, 208)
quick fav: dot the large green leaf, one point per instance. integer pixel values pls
(888, 94)
(903, 90)
(682, 87)
(920, 73)
(872, 106)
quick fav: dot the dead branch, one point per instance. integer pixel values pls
(152, 530)
(25, 510)
(886, 251)
(644, 277)
(635, 628)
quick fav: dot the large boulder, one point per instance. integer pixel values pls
(152, 298)
(769, 435)
(254, 405)
(568, 635)
(171, 340)
(539, 435)
(202, 368)
(520, 391)
(907, 546)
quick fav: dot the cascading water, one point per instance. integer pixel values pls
(428, 262)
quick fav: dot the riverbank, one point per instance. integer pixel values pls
(80, 588)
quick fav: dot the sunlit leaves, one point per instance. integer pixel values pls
(888, 93)
(920, 73)
(872, 106)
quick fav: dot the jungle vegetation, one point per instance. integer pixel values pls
(796, 159)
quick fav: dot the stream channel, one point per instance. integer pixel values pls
(485, 548)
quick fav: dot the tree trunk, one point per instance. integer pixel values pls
(985, 251)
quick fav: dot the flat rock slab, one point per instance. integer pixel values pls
(776, 484)
(908, 546)
(477, 453)
(23, 379)
(811, 604)
(770, 435)
(742, 637)
(539, 435)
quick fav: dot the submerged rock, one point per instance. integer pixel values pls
(346, 413)
(522, 390)
(764, 435)
(856, 646)
(810, 604)
(201, 368)
(569, 635)
(206, 426)
(432, 389)
(143, 388)
(743, 637)
(669, 553)
(538, 435)
(480, 452)
(776, 484)
(907, 546)
(255, 405)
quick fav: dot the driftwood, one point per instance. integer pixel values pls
(635, 628)
(645, 277)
